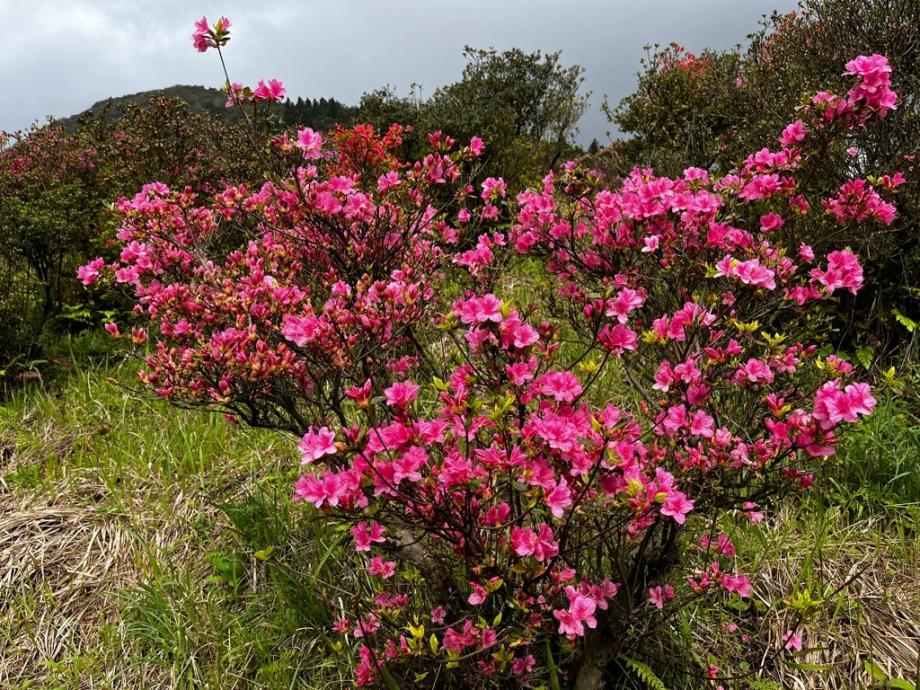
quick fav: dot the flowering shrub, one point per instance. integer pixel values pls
(529, 493)
(55, 191)
(544, 515)
(273, 302)
(711, 111)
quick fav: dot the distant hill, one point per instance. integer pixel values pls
(319, 113)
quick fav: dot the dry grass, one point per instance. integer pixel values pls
(868, 605)
(60, 565)
(98, 507)
(64, 566)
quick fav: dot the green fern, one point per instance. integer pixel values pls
(646, 674)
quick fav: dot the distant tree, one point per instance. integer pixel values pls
(322, 114)
(524, 105)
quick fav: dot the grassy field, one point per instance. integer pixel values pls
(143, 546)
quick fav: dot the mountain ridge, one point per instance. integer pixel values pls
(322, 113)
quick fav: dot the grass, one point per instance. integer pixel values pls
(878, 466)
(146, 546)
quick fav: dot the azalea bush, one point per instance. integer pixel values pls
(529, 489)
(710, 110)
(273, 302)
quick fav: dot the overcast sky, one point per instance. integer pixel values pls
(58, 57)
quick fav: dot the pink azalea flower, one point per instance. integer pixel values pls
(402, 393)
(478, 596)
(516, 333)
(660, 595)
(301, 330)
(564, 386)
(365, 535)
(702, 424)
(89, 273)
(677, 505)
(309, 141)
(316, 444)
(737, 584)
(378, 566)
(235, 95)
(479, 310)
(770, 222)
(626, 301)
(833, 405)
(366, 626)
(792, 642)
(793, 133)
(493, 189)
(559, 498)
(539, 544)
(674, 420)
(843, 271)
(361, 394)
(477, 147)
(273, 90)
(523, 665)
(580, 613)
(200, 38)
(618, 338)
(388, 181)
(749, 510)
(754, 371)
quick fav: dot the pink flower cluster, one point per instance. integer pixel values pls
(858, 201)
(206, 36)
(874, 86)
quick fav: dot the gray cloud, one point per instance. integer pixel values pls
(57, 57)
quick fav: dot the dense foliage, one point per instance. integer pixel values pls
(56, 190)
(531, 488)
(710, 110)
(50, 208)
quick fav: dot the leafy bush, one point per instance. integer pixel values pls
(55, 194)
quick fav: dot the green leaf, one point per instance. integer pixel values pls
(895, 684)
(905, 321)
(551, 665)
(874, 670)
(388, 678)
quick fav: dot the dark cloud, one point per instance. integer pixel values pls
(58, 57)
